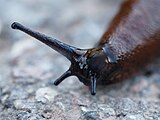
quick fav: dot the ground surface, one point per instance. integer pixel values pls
(27, 67)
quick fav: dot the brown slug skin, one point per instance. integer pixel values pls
(133, 37)
(131, 42)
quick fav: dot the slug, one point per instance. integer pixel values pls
(131, 42)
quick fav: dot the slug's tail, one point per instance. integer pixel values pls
(70, 52)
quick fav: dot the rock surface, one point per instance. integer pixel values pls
(28, 67)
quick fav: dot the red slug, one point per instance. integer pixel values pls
(131, 42)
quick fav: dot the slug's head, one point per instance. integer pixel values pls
(85, 64)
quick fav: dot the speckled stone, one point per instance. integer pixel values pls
(28, 68)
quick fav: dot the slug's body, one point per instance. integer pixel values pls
(131, 42)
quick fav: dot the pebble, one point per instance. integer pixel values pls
(107, 110)
(23, 105)
(45, 94)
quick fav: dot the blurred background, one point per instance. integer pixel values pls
(27, 66)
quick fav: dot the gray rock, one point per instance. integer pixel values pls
(28, 68)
